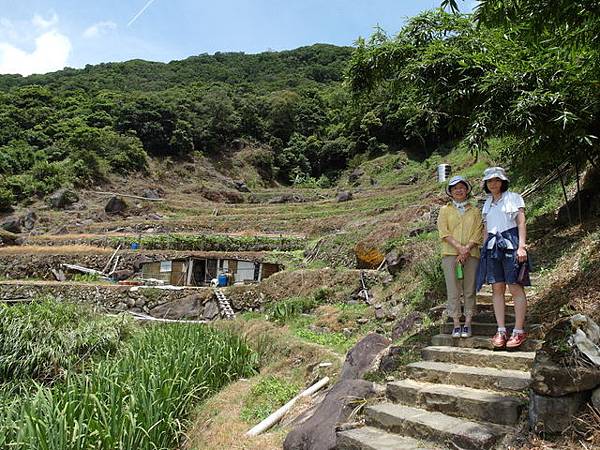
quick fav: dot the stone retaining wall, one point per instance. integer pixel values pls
(199, 303)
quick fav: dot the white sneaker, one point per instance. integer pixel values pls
(466, 332)
(456, 332)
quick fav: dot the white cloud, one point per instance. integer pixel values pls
(51, 52)
(99, 29)
(43, 24)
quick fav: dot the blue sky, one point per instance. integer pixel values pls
(38, 36)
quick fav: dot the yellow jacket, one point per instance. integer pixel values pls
(466, 228)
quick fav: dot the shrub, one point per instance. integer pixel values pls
(7, 199)
(287, 309)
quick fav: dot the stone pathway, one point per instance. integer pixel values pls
(462, 395)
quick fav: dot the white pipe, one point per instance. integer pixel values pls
(277, 415)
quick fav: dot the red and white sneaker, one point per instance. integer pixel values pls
(516, 340)
(499, 340)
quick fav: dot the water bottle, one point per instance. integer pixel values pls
(459, 271)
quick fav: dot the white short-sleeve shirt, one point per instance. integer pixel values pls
(502, 215)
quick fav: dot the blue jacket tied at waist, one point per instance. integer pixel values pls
(499, 251)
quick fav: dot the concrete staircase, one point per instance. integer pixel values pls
(462, 395)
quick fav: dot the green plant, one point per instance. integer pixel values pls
(85, 277)
(334, 340)
(7, 199)
(265, 397)
(285, 310)
(139, 399)
(47, 337)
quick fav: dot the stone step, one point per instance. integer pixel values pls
(476, 357)
(369, 438)
(470, 376)
(486, 329)
(485, 298)
(488, 307)
(422, 424)
(476, 404)
(479, 342)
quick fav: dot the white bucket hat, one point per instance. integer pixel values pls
(494, 172)
(454, 181)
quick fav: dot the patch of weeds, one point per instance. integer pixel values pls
(395, 243)
(269, 394)
(250, 315)
(85, 277)
(285, 310)
(336, 341)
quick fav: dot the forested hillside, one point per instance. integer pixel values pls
(530, 79)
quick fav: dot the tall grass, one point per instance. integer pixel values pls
(41, 340)
(139, 399)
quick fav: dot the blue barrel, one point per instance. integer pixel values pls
(222, 280)
(135, 246)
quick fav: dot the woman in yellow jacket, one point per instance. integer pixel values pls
(461, 231)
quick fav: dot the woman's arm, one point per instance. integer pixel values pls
(522, 227)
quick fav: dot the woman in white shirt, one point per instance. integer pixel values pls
(504, 257)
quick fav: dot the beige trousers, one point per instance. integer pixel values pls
(455, 287)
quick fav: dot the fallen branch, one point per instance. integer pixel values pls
(116, 194)
(277, 415)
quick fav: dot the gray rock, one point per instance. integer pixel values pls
(361, 357)
(29, 220)
(548, 378)
(189, 307)
(240, 185)
(62, 198)
(115, 205)
(343, 196)
(122, 274)
(395, 262)
(211, 310)
(318, 432)
(554, 414)
(402, 326)
(140, 302)
(120, 306)
(151, 193)
(379, 313)
(11, 224)
(596, 398)
(355, 175)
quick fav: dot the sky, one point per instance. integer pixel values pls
(39, 36)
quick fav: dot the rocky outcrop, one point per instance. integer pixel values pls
(318, 432)
(343, 196)
(551, 379)
(115, 205)
(62, 198)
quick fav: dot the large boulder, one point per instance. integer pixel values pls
(354, 177)
(11, 224)
(189, 307)
(395, 262)
(367, 257)
(211, 310)
(8, 238)
(343, 196)
(554, 414)
(551, 379)
(362, 357)
(29, 220)
(240, 185)
(62, 198)
(115, 205)
(152, 194)
(318, 432)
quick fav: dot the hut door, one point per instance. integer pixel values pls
(199, 269)
(211, 269)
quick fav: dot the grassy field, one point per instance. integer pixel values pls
(110, 389)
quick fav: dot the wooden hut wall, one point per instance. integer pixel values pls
(152, 270)
(269, 269)
(178, 273)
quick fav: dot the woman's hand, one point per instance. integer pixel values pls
(463, 253)
(521, 254)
